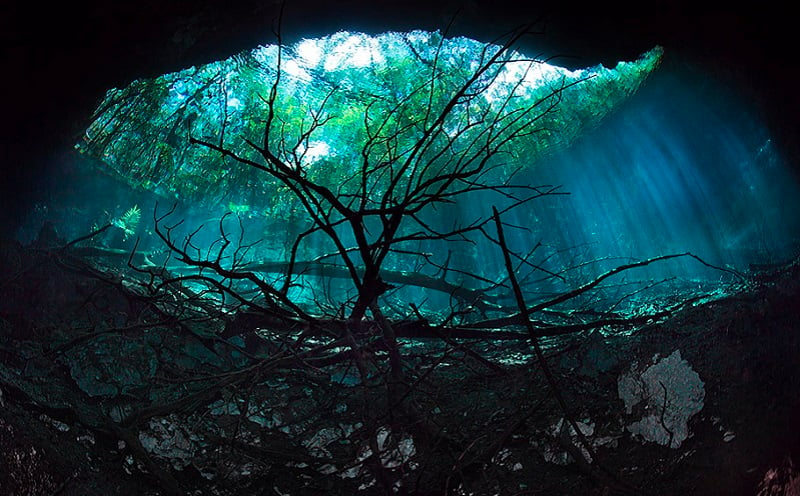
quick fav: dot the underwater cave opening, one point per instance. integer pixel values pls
(648, 161)
(288, 269)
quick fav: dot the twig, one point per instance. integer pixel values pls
(545, 367)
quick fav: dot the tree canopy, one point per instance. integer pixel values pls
(335, 95)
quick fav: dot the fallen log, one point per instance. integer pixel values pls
(311, 268)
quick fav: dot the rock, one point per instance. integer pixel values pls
(671, 393)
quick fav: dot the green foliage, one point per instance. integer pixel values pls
(346, 104)
(128, 221)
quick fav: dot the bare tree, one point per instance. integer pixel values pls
(452, 136)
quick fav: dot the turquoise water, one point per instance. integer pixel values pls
(685, 165)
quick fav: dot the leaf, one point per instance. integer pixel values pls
(128, 221)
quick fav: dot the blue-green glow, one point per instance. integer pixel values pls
(350, 80)
(652, 164)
